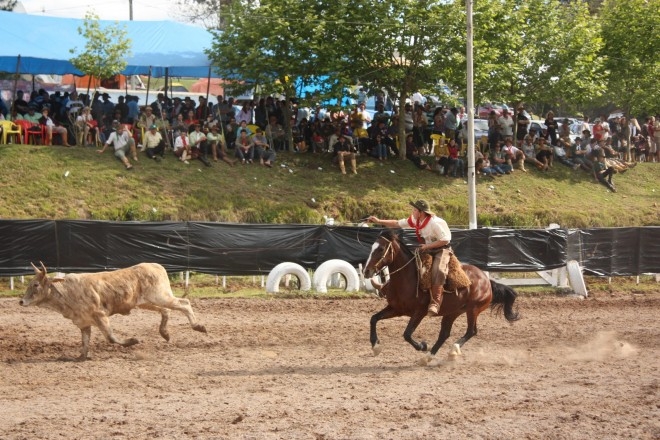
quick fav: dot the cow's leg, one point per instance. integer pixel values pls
(103, 323)
(164, 317)
(86, 333)
(183, 305)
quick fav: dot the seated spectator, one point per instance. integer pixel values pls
(244, 148)
(199, 147)
(154, 143)
(318, 142)
(179, 125)
(242, 126)
(379, 149)
(514, 154)
(217, 144)
(530, 153)
(266, 154)
(342, 149)
(147, 118)
(123, 143)
(562, 157)
(51, 128)
(190, 120)
(498, 159)
(182, 148)
(86, 127)
(275, 134)
(20, 105)
(578, 155)
(544, 154)
(412, 153)
(456, 163)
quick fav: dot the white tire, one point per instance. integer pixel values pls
(282, 269)
(326, 269)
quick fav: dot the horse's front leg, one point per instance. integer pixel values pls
(386, 313)
(410, 329)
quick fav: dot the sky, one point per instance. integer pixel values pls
(105, 9)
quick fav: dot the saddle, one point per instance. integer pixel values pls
(456, 277)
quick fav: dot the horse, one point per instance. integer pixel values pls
(405, 296)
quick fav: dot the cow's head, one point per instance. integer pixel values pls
(39, 287)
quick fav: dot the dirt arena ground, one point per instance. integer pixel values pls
(304, 369)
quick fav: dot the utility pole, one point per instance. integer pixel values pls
(130, 10)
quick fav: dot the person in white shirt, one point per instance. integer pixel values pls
(505, 123)
(52, 128)
(123, 143)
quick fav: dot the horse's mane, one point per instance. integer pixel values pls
(394, 235)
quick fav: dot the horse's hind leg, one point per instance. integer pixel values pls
(471, 331)
(445, 331)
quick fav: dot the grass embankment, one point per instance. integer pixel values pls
(302, 188)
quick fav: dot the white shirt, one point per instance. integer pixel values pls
(436, 229)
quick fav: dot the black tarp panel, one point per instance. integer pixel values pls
(249, 249)
(526, 250)
(24, 242)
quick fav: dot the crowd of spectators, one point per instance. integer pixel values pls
(255, 131)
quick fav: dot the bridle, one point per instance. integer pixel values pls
(390, 249)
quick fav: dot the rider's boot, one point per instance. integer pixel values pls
(436, 300)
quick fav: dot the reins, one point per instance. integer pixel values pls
(390, 249)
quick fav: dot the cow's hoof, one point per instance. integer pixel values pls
(165, 336)
(199, 328)
(131, 341)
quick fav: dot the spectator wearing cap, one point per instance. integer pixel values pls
(51, 128)
(505, 124)
(154, 143)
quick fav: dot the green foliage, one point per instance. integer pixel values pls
(631, 31)
(105, 50)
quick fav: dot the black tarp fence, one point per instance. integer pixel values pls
(254, 249)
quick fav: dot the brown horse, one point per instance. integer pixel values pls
(405, 297)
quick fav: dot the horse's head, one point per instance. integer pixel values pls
(382, 252)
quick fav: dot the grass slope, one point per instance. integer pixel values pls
(302, 188)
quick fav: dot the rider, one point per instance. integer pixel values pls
(435, 234)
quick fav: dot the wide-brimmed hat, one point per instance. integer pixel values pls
(422, 205)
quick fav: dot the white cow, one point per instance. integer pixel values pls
(90, 299)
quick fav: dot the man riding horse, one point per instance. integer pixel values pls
(436, 237)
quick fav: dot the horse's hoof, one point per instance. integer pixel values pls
(425, 360)
(377, 349)
(455, 350)
(423, 346)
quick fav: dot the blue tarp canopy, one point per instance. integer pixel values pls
(44, 44)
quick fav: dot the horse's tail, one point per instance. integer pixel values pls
(503, 298)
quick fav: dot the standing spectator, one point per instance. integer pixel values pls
(451, 123)
(505, 124)
(522, 123)
(123, 144)
(551, 126)
(654, 138)
(602, 172)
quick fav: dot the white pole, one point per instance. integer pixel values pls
(472, 192)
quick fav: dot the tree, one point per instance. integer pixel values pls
(271, 44)
(396, 45)
(7, 5)
(529, 51)
(105, 50)
(631, 31)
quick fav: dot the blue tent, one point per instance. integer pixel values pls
(37, 44)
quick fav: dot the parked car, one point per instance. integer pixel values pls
(483, 111)
(480, 129)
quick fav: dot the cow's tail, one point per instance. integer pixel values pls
(503, 299)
